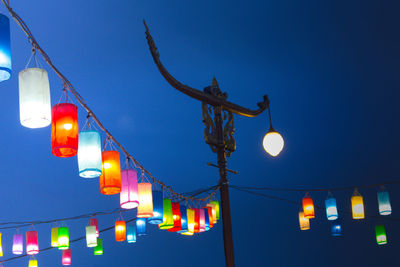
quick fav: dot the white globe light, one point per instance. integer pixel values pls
(273, 143)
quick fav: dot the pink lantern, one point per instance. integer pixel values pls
(32, 243)
(94, 222)
(66, 257)
(202, 220)
(129, 189)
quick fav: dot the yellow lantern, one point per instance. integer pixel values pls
(190, 222)
(33, 263)
(54, 237)
(303, 221)
(357, 205)
(145, 208)
(214, 212)
(1, 248)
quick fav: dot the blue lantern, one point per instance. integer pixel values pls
(336, 228)
(183, 219)
(131, 234)
(384, 202)
(207, 219)
(331, 208)
(5, 48)
(157, 208)
(89, 154)
(141, 226)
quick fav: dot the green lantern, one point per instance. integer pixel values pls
(216, 203)
(168, 219)
(63, 238)
(380, 235)
(98, 250)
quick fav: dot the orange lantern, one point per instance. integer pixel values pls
(120, 231)
(210, 215)
(110, 179)
(308, 207)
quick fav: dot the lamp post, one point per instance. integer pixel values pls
(219, 136)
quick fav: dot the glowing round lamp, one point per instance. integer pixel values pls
(384, 203)
(157, 208)
(308, 207)
(5, 48)
(129, 189)
(380, 233)
(131, 234)
(120, 231)
(273, 142)
(110, 179)
(336, 228)
(176, 216)
(190, 222)
(331, 208)
(98, 250)
(145, 208)
(168, 219)
(54, 237)
(34, 98)
(66, 257)
(64, 130)
(89, 154)
(33, 263)
(202, 221)
(210, 215)
(206, 219)
(63, 238)
(213, 211)
(32, 243)
(184, 222)
(18, 244)
(91, 236)
(303, 222)
(141, 226)
(95, 222)
(357, 206)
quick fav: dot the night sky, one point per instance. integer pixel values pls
(330, 69)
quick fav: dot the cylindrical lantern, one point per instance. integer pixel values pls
(184, 221)
(89, 154)
(5, 48)
(98, 250)
(141, 226)
(216, 203)
(196, 220)
(131, 234)
(18, 244)
(33, 263)
(303, 221)
(34, 98)
(331, 208)
(308, 207)
(357, 205)
(190, 222)
(380, 232)
(384, 203)
(145, 208)
(129, 189)
(95, 222)
(1, 247)
(110, 179)
(176, 216)
(32, 243)
(202, 221)
(54, 237)
(120, 231)
(206, 219)
(168, 219)
(157, 208)
(64, 130)
(214, 213)
(210, 215)
(336, 228)
(66, 257)
(63, 238)
(91, 236)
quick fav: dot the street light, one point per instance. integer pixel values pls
(273, 141)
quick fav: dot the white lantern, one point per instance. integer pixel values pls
(34, 98)
(91, 236)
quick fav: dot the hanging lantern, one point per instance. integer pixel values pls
(91, 236)
(336, 228)
(357, 205)
(303, 221)
(120, 231)
(168, 219)
(34, 98)
(131, 234)
(157, 208)
(308, 207)
(64, 130)
(184, 221)
(63, 238)
(202, 221)
(18, 244)
(89, 154)
(210, 215)
(331, 208)
(66, 257)
(206, 219)
(141, 226)
(380, 233)
(5, 48)
(145, 208)
(213, 211)
(95, 222)
(1, 248)
(33, 263)
(176, 216)
(32, 243)
(216, 203)
(384, 202)
(110, 179)
(98, 250)
(190, 222)
(54, 237)
(129, 189)
(196, 220)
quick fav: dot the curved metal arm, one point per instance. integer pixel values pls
(197, 94)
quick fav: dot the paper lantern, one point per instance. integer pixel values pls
(120, 231)
(303, 221)
(213, 211)
(89, 154)
(66, 257)
(95, 222)
(5, 48)
(64, 130)
(196, 220)
(141, 226)
(168, 219)
(129, 189)
(110, 179)
(176, 217)
(210, 215)
(34, 98)
(190, 222)
(54, 237)
(357, 205)
(1, 247)
(184, 222)
(380, 233)
(63, 238)
(202, 221)
(308, 207)
(157, 208)
(331, 208)
(145, 208)
(206, 219)
(91, 236)
(216, 203)
(18, 244)
(384, 203)
(32, 243)
(98, 250)
(336, 228)
(33, 263)
(131, 234)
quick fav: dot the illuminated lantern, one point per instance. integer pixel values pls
(141, 226)
(18, 244)
(190, 222)
(202, 221)
(89, 154)
(273, 142)
(213, 211)
(308, 207)
(384, 203)
(336, 228)
(5, 48)
(120, 231)
(210, 215)
(95, 222)
(184, 221)
(33, 263)
(176, 216)
(54, 237)
(357, 205)
(64, 130)
(32, 243)
(129, 189)
(157, 208)
(66, 257)
(196, 220)
(216, 203)
(1, 248)
(303, 221)
(131, 234)
(145, 208)
(168, 219)
(206, 219)
(91, 236)
(110, 179)
(98, 250)
(63, 238)
(34, 98)
(380, 232)
(331, 208)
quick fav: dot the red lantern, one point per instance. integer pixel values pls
(66, 257)
(196, 220)
(308, 207)
(176, 215)
(32, 243)
(94, 222)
